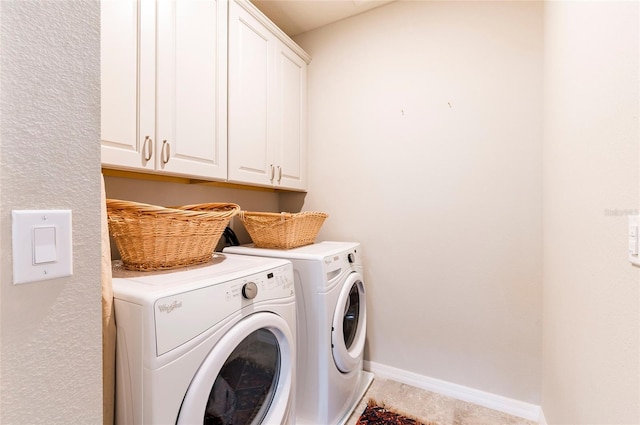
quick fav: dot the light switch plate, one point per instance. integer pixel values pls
(42, 245)
(634, 240)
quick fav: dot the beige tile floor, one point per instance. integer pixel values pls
(428, 406)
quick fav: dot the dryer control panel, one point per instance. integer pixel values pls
(336, 265)
(341, 260)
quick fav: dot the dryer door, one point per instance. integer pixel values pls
(349, 324)
(246, 378)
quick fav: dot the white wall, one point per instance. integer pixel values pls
(50, 332)
(425, 137)
(591, 346)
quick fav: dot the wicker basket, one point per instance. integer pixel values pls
(282, 230)
(150, 237)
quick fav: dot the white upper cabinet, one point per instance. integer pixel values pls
(164, 96)
(267, 139)
(291, 157)
(166, 103)
(127, 49)
(191, 127)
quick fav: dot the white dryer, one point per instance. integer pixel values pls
(330, 299)
(212, 344)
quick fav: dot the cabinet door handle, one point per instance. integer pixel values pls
(279, 173)
(272, 172)
(147, 148)
(166, 151)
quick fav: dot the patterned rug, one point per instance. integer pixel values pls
(376, 414)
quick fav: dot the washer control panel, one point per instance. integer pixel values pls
(183, 316)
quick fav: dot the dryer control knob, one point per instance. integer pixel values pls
(250, 290)
(351, 257)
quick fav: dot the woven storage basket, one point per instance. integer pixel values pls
(150, 237)
(282, 230)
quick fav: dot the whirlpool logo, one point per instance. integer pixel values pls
(168, 308)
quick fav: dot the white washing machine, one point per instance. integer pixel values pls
(212, 344)
(330, 299)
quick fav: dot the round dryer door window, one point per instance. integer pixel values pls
(349, 324)
(247, 377)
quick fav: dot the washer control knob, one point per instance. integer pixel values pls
(351, 257)
(249, 290)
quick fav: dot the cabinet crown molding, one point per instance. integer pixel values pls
(282, 36)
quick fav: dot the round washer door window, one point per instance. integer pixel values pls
(246, 378)
(349, 324)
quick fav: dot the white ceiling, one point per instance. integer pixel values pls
(298, 16)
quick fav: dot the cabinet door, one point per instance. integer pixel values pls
(251, 48)
(192, 97)
(127, 45)
(291, 142)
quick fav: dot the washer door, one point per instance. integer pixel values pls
(246, 378)
(349, 324)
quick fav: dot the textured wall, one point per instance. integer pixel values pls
(50, 331)
(425, 132)
(591, 346)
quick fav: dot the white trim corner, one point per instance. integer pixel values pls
(497, 402)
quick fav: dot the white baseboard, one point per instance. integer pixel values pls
(513, 407)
